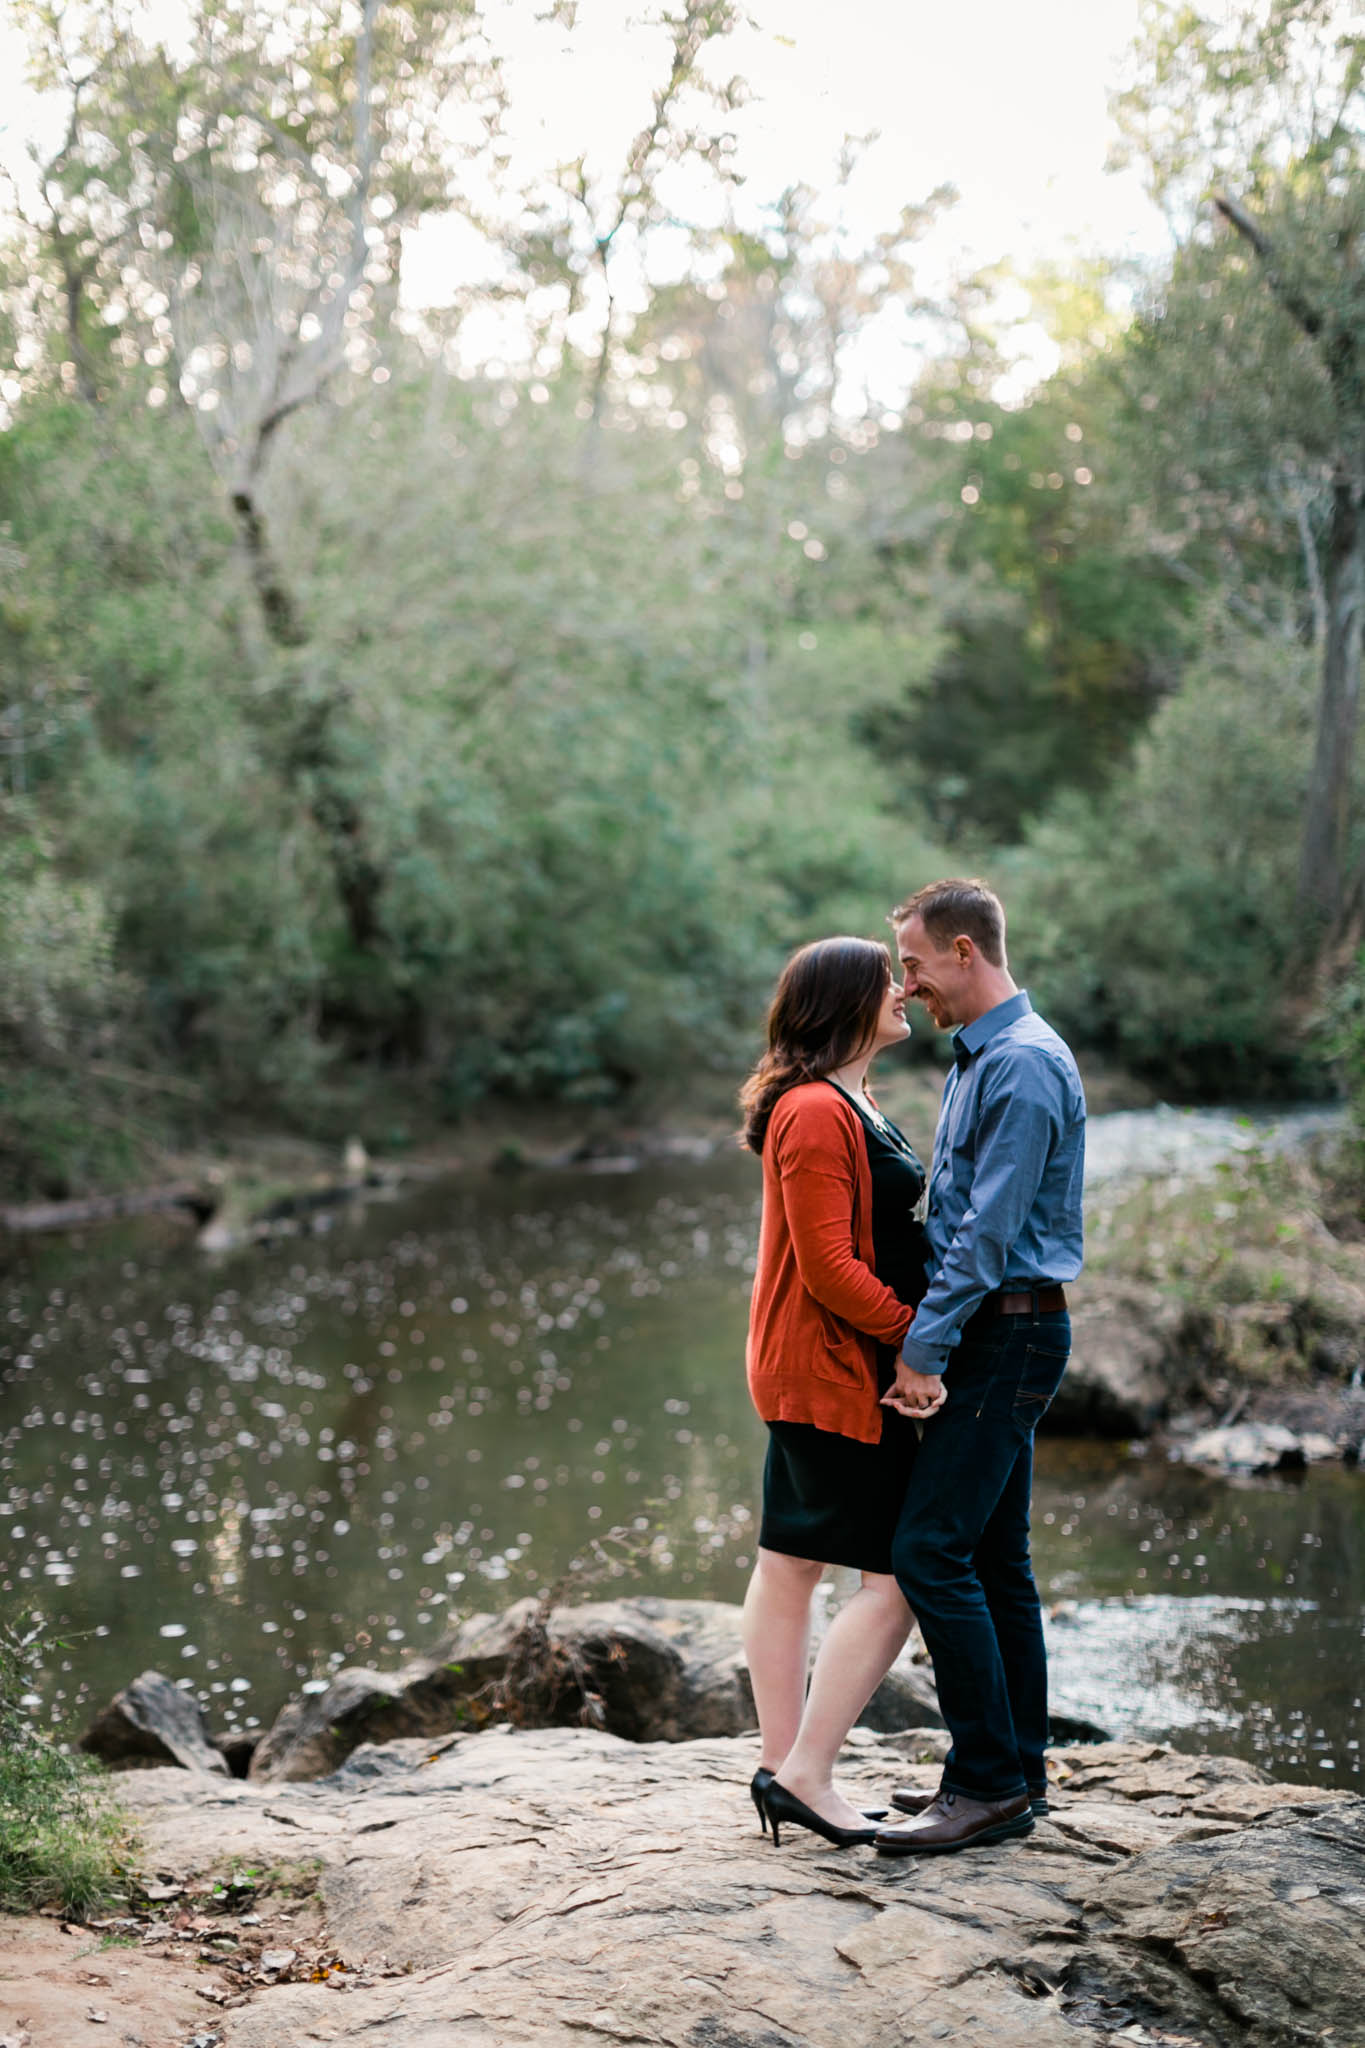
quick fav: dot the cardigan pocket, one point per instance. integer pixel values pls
(841, 1358)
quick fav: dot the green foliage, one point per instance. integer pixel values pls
(536, 806)
(367, 726)
(57, 938)
(228, 167)
(1344, 1038)
(1227, 436)
(62, 1838)
(1158, 918)
(62, 1001)
(1240, 90)
(1062, 627)
(1250, 122)
(1267, 1294)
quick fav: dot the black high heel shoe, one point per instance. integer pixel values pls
(781, 1805)
(760, 1782)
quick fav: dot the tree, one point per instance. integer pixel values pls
(1061, 629)
(1331, 312)
(1258, 114)
(253, 216)
(567, 237)
(759, 340)
(235, 208)
(1155, 916)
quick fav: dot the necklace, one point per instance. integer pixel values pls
(865, 1107)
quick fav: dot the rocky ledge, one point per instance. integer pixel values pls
(648, 1669)
(1144, 1364)
(514, 1887)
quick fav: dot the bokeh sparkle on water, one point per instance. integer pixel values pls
(247, 1473)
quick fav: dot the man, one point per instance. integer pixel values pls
(983, 1358)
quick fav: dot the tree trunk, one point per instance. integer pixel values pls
(1323, 853)
(86, 385)
(1334, 333)
(359, 882)
(311, 766)
(282, 621)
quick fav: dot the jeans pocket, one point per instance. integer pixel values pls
(1039, 1378)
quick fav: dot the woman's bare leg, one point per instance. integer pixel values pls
(860, 1646)
(777, 1646)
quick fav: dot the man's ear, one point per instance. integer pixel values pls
(964, 949)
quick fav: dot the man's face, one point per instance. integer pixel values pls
(934, 976)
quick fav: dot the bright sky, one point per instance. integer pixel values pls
(1005, 101)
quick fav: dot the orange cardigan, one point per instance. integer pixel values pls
(818, 1309)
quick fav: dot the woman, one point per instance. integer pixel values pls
(840, 1265)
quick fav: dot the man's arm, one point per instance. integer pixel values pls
(1019, 1120)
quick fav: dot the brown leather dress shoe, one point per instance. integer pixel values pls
(910, 1799)
(952, 1821)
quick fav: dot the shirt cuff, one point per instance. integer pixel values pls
(925, 1358)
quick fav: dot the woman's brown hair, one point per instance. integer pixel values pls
(823, 1013)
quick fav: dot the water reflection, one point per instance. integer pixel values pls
(296, 1459)
(245, 1474)
(1228, 1610)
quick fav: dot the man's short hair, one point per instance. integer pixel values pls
(960, 905)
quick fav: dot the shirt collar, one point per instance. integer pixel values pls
(969, 1040)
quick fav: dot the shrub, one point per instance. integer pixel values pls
(56, 938)
(1344, 1040)
(1157, 920)
(62, 1838)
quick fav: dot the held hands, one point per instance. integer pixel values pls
(916, 1394)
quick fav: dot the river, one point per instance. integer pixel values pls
(247, 1471)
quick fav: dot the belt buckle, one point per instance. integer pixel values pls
(1027, 1295)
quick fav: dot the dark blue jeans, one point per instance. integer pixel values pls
(961, 1552)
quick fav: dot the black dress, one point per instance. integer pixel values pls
(830, 1497)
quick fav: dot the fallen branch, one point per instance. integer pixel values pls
(157, 1084)
(179, 1194)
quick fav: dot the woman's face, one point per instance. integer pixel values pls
(891, 1021)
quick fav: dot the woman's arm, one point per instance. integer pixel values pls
(817, 1174)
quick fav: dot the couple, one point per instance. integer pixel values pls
(902, 1368)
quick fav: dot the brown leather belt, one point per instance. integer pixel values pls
(1032, 1301)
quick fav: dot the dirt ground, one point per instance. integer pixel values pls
(158, 1982)
(62, 1985)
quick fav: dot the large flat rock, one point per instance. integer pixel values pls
(650, 1669)
(547, 1886)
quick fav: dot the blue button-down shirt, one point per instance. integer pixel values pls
(1005, 1187)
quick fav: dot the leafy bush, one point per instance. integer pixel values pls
(1157, 920)
(57, 942)
(1344, 1040)
(62, 1002)
(62, 1838)
(534, 806)
(575, 738)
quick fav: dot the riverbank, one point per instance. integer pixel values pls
(521, 1888)
(246, 1185)
(248, 1469)
(124, 1133)
(1230, 1296)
